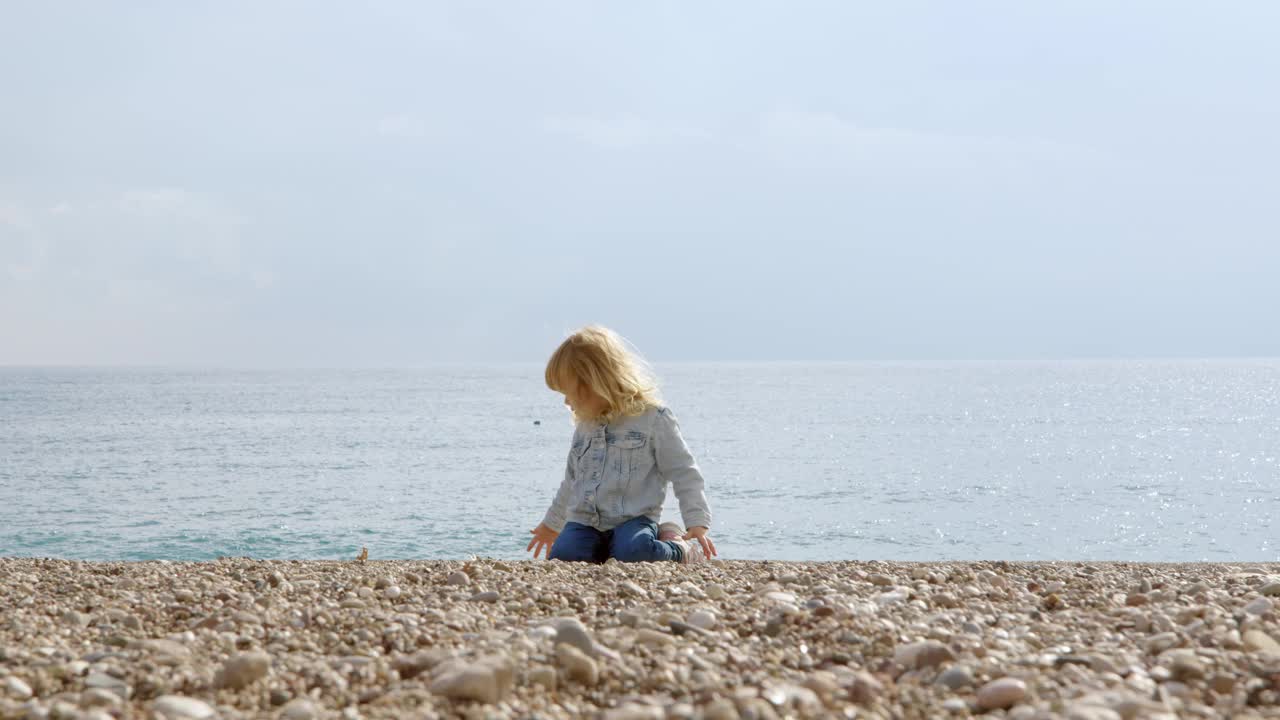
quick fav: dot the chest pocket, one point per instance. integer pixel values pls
(627, 456)
(633, 440)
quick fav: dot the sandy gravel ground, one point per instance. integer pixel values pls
(242, 638)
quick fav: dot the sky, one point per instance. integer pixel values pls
(404, 183)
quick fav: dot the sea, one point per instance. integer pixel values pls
(1079, 460)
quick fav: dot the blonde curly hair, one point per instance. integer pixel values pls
(602, 360)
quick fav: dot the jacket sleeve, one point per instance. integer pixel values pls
(677, 466)
(556, 514)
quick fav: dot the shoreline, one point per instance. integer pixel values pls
(245, 638)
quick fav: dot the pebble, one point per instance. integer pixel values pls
(702, 618)
(1222, 684)
(543, 676)
(1176, 689)
(1021, 712)
(411, 666)
(1002, 693)
(679, 628)
(99, 697)
(635, 711)
(17, 688)
(177, 707)
(1271, 589)
(1102, 664)
(1259, 606)
(578, 666)
(1197, 588)
(392, 592)
(166, 652)
(864, 688)
(894, 597)
(571, 631)
(76, 619)
(721, 709)
(1260, 642)
(111, 683)
(467, 683)
(488, 596)
(1185, 665)
(457, 577)
(955, 677)
(1157, 644)
(927, 653)
(881, 580)
(1092, 712)
(243, 669)
(299, 709)
(657, 638)
(486, 680)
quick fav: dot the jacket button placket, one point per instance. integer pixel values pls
(598, 457)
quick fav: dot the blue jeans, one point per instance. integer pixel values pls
(635, 540)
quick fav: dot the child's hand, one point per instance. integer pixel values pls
(543, 537)
(708, 547)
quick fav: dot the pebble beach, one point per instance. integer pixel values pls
(244, 638)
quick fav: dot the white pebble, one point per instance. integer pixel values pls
(177, 707)
(1001, 693)
(17, 688)
(1259, 606)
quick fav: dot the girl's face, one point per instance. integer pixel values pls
(583, 401)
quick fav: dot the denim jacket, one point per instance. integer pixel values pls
(619, 471)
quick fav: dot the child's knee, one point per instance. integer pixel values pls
(572, 552)
(640, 549)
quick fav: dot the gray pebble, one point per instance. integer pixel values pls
(955, 677)
(243, 669)
(571, 631)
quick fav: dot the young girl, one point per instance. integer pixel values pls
(626, 448)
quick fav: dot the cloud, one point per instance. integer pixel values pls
(823, 139)
(20, 249)
(175, 222)
(401, 125)
(14, 218)
(156, 202)
(620, 132)
(147, 264)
